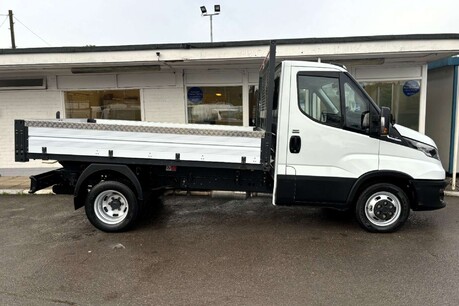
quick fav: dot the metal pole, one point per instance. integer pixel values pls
(423, 101)
(456, 134)
(13, 41)
(211, 33)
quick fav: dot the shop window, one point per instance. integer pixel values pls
(104, 104)
(215, 105)
(403, 97)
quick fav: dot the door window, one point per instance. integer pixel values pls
(319, 99)
(356, 106)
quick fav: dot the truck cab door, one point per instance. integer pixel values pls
(329, 138)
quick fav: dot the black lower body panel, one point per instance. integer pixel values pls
(313, 190)
(430, 194)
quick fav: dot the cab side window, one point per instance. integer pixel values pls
(357, 108)
(319, 99)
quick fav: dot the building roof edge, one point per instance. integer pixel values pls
(230, 44)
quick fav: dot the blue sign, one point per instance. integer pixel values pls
(195, 95)
(411, 88)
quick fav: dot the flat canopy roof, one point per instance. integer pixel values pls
(229, 44)
(417, 48)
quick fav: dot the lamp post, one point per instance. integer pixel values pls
(205, 13)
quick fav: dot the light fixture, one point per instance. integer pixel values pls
(218, 94)
(204, 12)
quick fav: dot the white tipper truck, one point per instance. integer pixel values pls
(319, 140)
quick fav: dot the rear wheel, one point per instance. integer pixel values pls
(382, 208)
(112, 206)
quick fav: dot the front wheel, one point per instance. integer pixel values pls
(112, 206)
(382, 208)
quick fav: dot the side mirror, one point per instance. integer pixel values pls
(385, 120)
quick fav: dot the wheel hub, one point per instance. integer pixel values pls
(384, 210)
(115, 204)
(111, 207)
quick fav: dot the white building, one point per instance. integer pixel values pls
(214, 83)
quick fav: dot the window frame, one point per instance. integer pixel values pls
(6, 87)
(324, 74)
(343, 77)
(373, 108)
(141, 99)
(197, 84)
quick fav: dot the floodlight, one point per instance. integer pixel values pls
(216, 12)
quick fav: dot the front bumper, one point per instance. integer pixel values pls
(429, 194)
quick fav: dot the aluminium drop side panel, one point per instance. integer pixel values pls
(88, 141)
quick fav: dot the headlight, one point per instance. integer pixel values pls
(427, 149)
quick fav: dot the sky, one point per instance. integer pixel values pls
(59, 23)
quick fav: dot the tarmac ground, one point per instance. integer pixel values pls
(208, 251)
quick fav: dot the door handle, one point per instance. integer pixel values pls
(295, 144)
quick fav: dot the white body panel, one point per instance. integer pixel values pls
(326, 151)
(164, 146)
(336, 155)
(408, 160)
(412, 134)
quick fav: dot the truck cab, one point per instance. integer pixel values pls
(335, 147)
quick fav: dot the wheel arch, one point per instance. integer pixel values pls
(397, 178)
(99, 169)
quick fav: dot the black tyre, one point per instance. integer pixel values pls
(382, 208)
(112, 206)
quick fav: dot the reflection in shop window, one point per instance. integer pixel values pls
(403, 98)
(103, 104)
(215, 105)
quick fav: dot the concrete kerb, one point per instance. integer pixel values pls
(449, 191)
(452, 193)
(24, 192)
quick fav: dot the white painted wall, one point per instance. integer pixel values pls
(438, 111)
(23, 104)
(208, 77)
(164, 105)
(381, 73)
